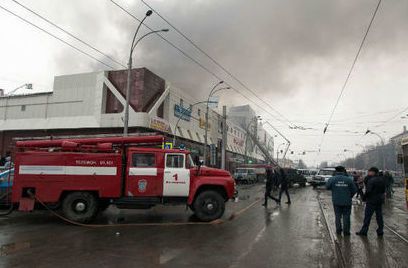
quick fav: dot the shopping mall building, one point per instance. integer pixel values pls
(93, 104)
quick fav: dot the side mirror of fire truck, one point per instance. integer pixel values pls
(199, 164)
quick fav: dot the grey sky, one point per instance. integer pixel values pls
(294, 54)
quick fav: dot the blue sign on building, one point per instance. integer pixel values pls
(182, 113)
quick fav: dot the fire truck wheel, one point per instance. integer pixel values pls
(80, 207)
(209, 206)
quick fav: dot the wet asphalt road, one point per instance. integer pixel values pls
(285, 236)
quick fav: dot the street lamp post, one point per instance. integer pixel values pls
(382, 144)
(283, 136)
(353, 155)
(277, 152)
(132, 48)
(178, 120)
(27, 86)
(206, 119)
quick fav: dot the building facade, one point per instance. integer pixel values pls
(93, 103)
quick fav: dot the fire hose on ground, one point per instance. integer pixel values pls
(219, 221)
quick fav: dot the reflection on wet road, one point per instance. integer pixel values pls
(249, 236)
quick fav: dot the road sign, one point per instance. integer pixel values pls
(167, 145)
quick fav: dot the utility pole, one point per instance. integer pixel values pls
(224, 136)
(213, 90)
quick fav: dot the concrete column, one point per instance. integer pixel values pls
(224, 136)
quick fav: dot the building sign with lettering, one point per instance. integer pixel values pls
(202, 124)
(159, 124)
(182, 113)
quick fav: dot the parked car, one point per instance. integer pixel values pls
(245, 175)
(295, 176)
(322, 176)
(308, 173)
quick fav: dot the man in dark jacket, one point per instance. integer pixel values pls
(374, 198)
(284, 186)
(270, 181)
(343, 190)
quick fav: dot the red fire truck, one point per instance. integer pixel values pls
(84, 176)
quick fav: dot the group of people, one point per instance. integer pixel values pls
(5, 161)
(344, 187)
(276, 178)
(360, 181)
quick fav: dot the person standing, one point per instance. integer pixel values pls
(270, 180)
(374, 198)
(360, 186)
(343, 189)
(284, 186)
(389, 180)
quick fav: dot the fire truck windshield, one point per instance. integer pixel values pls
(190, 162)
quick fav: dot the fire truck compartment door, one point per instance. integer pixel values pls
(176, 181)
(144, 178)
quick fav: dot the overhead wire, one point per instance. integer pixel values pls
(194, 44)
(195, 61)
(56, 37)
(69, 33)
(348, 75)
(392, 118)
(352, 66)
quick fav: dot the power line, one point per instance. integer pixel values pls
(193, 60)
(56, 37)
(69, 33)
(348, 77)
(352, 66)
(392, 118)
(216, 62)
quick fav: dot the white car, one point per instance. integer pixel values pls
(308, 173)
(245, 175)
(322, 176)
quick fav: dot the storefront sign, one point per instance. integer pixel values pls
(202, 124)
(182, 113)
(159, 124)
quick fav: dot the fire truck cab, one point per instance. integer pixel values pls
(85, 176)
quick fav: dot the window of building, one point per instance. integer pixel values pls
(143, 160)
(23, 108)
(175, 160)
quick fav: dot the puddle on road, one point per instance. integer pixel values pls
(244, 197)
(12, 248)
(169, 254)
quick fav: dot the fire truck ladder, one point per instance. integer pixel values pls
(264, 150)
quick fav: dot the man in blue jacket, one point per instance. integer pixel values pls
(343, 190)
